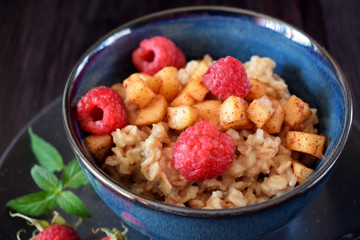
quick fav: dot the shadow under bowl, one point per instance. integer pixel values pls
(310, 72)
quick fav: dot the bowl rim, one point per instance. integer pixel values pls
(102, 177)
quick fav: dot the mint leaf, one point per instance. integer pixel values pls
(47, 155)
(73, 176)
(39, 203)
(34, 204)
(72, 204)
(45, 179)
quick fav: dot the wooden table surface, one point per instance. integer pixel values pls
(42, 40)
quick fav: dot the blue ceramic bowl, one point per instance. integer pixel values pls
(309, 70)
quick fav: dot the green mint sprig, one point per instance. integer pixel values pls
(54, 191)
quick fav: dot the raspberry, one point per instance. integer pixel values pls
(155, 53)
(49, 231)
(227, 77)
(101, 111)
(57, 232)
(202, 152)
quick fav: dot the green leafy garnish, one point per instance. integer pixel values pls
(47, 155)
(33, 204)
(72, 204)
(73, 176)
(45, 179)
(55, 191)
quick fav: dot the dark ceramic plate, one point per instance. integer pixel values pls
(334, 212)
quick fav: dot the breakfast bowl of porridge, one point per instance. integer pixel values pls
(207, 122)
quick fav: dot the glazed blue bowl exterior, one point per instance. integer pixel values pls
(308, 69)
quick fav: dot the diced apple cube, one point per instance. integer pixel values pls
(182, 99)
(99, 146)
(137, 91)
(195, 87)
(301, 172)
(232, 114)
(260, 111)
(208, 110)
(153, 113)
(181, 117)
(169, 87)
(275, 122)
(296, 111)
(257, 90)
(306, 142)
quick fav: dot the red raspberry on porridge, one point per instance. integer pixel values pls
(227, 77)
(202, 152)
(155, 53)
(101, 111)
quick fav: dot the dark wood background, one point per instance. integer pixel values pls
(40, 42)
